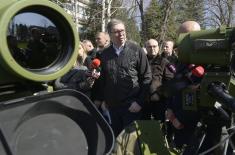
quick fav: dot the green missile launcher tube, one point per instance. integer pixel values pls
(206, 47)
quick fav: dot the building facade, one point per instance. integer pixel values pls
(77, 9)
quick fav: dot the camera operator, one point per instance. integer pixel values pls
(168, 52)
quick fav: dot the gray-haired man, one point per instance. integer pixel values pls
(125, 77)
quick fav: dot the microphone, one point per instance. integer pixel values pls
(95, 63)
(196, 74)
(192, 75)
(94, 71)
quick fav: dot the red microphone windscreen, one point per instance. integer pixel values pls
(198, 71)
(95, 63)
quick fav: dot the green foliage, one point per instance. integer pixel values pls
(93, 23)
(182, 11)
(133, 32)
(153, 20)
(131, 27)
(189, 10)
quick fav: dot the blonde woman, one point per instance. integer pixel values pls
(78, 77)
(82, 54)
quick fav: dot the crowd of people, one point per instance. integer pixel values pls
(129, 83)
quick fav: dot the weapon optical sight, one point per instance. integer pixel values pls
(38, 41)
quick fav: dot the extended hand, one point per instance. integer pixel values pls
(95, 74)
(90, 81)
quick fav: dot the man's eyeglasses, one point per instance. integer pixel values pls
(119, 32)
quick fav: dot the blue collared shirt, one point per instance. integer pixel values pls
(118, 49)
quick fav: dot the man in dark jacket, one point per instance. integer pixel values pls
(91, 52)
(102, 42)
(184, 121)
(169, 53)
(162, 71)
(125, 77)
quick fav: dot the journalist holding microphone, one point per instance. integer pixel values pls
(80, 77)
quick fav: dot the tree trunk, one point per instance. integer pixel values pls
(169, 7)
(143, 26)
(232, 16)
(103, 23)
(76, 14)
(109, 10)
